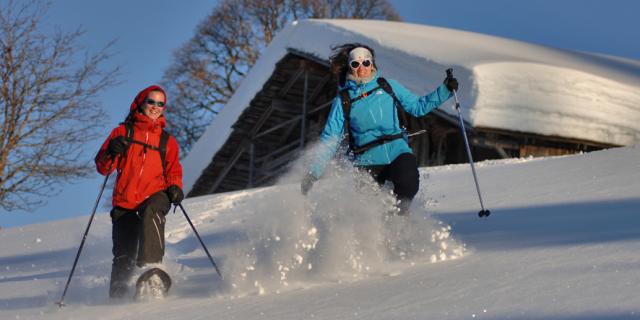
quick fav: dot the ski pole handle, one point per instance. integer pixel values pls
(449, 73)
(455, 94)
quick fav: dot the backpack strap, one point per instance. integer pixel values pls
(161, 148)
(378, 142)
(402, 115)
(366, 94)
(346, 111)
(129, 129)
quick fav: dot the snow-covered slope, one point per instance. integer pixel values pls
(505, 84)
(561, 243)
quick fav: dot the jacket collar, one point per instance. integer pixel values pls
(145, 123)
(353, 82)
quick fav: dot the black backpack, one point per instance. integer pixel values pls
(346, 110)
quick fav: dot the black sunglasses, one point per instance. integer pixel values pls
(355, 64)
(154, 103)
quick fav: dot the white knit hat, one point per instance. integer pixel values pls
(360, 54)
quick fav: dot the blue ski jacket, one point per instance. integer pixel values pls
(370, 118)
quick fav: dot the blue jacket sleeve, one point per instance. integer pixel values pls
(329, 139)
(420, 106)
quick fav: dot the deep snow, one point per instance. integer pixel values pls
(561, 243)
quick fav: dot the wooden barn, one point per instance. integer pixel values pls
(274, 119)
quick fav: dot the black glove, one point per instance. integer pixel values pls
(307, 183)
(175, 194)
(451, 83)
(118, 146)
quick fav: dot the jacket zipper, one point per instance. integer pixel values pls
(144, 157)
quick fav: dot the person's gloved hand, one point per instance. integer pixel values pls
(175, 194)
(451, 83)
(118, 146)
(307, 182)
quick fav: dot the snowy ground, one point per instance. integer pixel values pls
(562, 243)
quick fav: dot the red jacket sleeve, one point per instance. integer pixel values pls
(174, 168)
(104, 161)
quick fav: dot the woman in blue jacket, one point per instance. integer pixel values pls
(376, 139)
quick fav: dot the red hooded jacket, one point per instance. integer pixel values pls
(140, 171)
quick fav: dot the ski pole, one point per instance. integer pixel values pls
(483, 212)
(84, 237)
(200, 239)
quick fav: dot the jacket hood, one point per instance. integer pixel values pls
(139, 99)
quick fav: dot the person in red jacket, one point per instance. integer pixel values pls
(145, 187)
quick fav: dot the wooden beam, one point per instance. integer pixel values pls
(319, 87)
(270, 175)
(261, 121)
(226, 169)
(284, 105)
(287, 86)
(252, 155)
(303, 118)
(274, 152)
(287, 133)
(294, 119)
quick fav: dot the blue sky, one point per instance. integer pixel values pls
(147, 32)
(603, 26)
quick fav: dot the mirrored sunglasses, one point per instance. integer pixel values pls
(355, 64)
(152, 102)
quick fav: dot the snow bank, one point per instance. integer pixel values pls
(557, 101)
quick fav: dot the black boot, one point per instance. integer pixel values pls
(121, 271)
(403, 207)
(125, 247)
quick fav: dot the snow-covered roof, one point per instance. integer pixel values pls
(504, 84)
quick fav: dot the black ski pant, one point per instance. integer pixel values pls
(403, 173)
(138, 239)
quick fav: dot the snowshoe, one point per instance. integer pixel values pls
(152, 284)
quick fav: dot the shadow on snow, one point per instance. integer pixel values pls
(552, 225)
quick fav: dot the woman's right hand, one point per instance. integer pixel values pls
(118, 146)
(307, 183)
(451, 83)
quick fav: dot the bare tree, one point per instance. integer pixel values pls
(48, 106)
(207, 70)
(345, 9)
